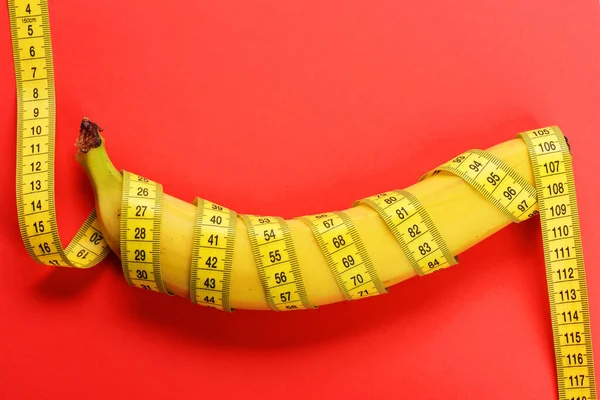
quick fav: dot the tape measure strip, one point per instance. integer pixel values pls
(496, 181)
(346, 256)
(141, 217)
(212, 255)
(36, 111)
(565, 272)
(414, 230)
(277, 262)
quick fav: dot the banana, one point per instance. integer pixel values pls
(462, 216)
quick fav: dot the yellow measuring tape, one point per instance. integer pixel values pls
(277, 263)
(349, 262)
(36, 115)
(413, 229)
(496, 181)
(141, 212)
(553, 197)
(565, 273)
(212, 254)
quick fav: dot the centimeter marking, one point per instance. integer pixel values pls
(277, 263)
(36, 111)
(141, 212)
(413, 229)
(348, 260)
(498, 183)
(212, 255)
(563, 253)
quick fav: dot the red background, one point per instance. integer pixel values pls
(291, 108)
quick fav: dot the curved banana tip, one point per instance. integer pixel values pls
(89, 135)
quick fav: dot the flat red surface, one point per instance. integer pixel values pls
(292, 108)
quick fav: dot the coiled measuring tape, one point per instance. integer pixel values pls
(346, 255)
(141, 212)
(496, 181)
(272, 245)
(212, 255)
(36, 115)
(413, 229)
(277, 264)
(554, 197)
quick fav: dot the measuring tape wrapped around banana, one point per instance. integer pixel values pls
(227, 261)
(219, 258)
(223, 260)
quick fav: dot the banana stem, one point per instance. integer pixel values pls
(93, 157)
(89, 135)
